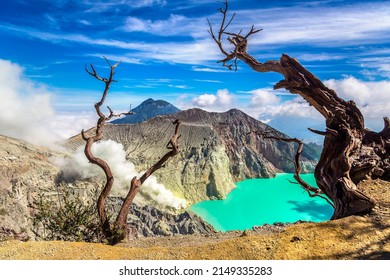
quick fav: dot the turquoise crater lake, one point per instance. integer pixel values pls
(264, 201)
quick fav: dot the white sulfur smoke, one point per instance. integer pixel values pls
(27, 111)
(25, 106)
(78, 167)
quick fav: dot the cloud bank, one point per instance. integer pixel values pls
(372, 98)
(221, 101)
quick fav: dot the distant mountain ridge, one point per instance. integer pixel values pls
(146, 110)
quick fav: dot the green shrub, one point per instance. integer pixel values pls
(69, 219)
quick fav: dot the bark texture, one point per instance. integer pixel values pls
(350, 153)
(119, 230)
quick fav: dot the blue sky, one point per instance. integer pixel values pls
(166, 53)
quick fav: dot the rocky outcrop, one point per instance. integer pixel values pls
(25, 172)
(149, 221)
(216, 150)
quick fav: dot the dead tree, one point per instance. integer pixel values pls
(117, 231)
(351, 152)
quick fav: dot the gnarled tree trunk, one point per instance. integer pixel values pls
(350, 153)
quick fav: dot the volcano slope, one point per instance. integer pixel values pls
(216, 150)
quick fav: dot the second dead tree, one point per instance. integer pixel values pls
(119, 230)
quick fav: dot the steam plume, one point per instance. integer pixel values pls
(78, 167)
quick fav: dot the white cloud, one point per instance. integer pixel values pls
(103, 6)
(27, 111)
(372, 98)
(182, 103)
(179, 86)
(205, 100)
(208, 81)
(208, 69)
(374, 66)
(85, 22)
(66, 125)
(25, 106)
(351, 88)
(134, 24)
(319, 57)
(221, 101)
(261, 97)
(349, 24)
(318, 25)
(196, 52)
(174, 25)
(291, 114)
(291, 117)
(145, 3)
(122, 58)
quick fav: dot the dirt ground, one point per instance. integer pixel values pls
(354, 237)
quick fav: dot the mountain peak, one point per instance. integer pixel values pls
(146, 110)
(148, 101)
(151, 101)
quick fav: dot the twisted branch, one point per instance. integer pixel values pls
(312, 191)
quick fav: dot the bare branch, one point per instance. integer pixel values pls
(93, 73)
(323, 133)
(174, 150)
(113, 115)
(240, 46)
(223, 26)
(83, 135)
(252, 31)
(312, 191)
(221, 31)
(327, 132)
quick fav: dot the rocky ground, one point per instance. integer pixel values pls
(354, 237)
(151, 222)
